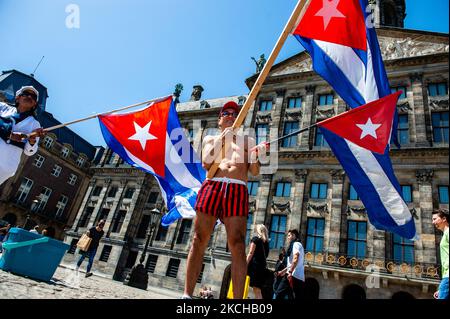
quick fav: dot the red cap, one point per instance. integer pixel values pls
(230, 105)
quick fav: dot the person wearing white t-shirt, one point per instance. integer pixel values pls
(295, 268)
(16, 123)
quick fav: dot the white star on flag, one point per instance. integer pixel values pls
(142, 134)
(368, 129)
(329, 10)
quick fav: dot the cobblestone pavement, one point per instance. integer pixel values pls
(68, 284)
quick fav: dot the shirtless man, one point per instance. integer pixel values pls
(225, 197)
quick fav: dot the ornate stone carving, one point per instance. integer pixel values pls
(266, 177)
(281, 207)
(318, 207)
(424, 175)
(300, 175)
(310, 89)
(108, 181)
(92, 182)
(294, 114)
(403, 107)
(204, 105)
(280, 92)
(359, 210)
(296, 67)
(438, 103)
(264, 118)
(323, 112)
(392, 48)
(196, 93)
(337, 175)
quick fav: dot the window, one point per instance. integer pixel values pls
(142, 230)
(437, 89)
(97, 190)
(315, 233)
(48, 142)
(356, 239)
(262, 133)
(72, 179)
(443, 194)
(185, 229)
(73, 246)
(265, 105)
(104, 256)
(253, 188)
(277, 231)
(38, 160)
(61, 205)
(112, 191)
(162, 233)
(319, 139)
(403, 249)
(80, 161)
(249, 228)
(283, 189)
(129, 192)
(151, 263)
(152, 198)
(407, 193)
(403, 129)
(353, 195)
(440, 126)
(86, 216)
(118, 222)
(65, 152)
(111, 158)
(326, 99)
(23, 190)
(131, 259)
(294, 102)
(43, 199)
(399, 88)
(172, 268)
(290, 127)
(56, 170)
(319, 191)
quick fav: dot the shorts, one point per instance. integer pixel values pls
(223, 197)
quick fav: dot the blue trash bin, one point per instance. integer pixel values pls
(32, 255)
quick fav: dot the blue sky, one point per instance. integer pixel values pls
(130, 51)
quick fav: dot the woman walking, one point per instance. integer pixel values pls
(256, 260)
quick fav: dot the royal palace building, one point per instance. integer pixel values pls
(307, 190)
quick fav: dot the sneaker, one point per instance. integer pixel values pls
(186, 297)
(88, 274)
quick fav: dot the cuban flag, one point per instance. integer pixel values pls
(153, 140)
(344, 50)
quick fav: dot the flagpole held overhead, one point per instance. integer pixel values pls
(48, 129)
(298, 11)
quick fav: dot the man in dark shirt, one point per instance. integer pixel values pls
(96, 234)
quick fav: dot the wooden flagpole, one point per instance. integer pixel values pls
(48, 129)
(298, 11)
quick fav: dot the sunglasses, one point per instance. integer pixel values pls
(32, 95)
(226, 113)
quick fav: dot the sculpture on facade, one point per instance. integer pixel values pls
(260, 63)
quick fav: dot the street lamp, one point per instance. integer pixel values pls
(32, 208)
(138, 276)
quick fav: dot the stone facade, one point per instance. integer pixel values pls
(414, 60)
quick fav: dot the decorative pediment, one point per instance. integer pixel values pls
(438, 103)
(281, 208)
(396, 48)
(296, 66)
(294, 114)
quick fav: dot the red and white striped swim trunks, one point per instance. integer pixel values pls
(223, 197)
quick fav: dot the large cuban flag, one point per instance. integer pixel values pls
(344, 49)
(153, 140)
